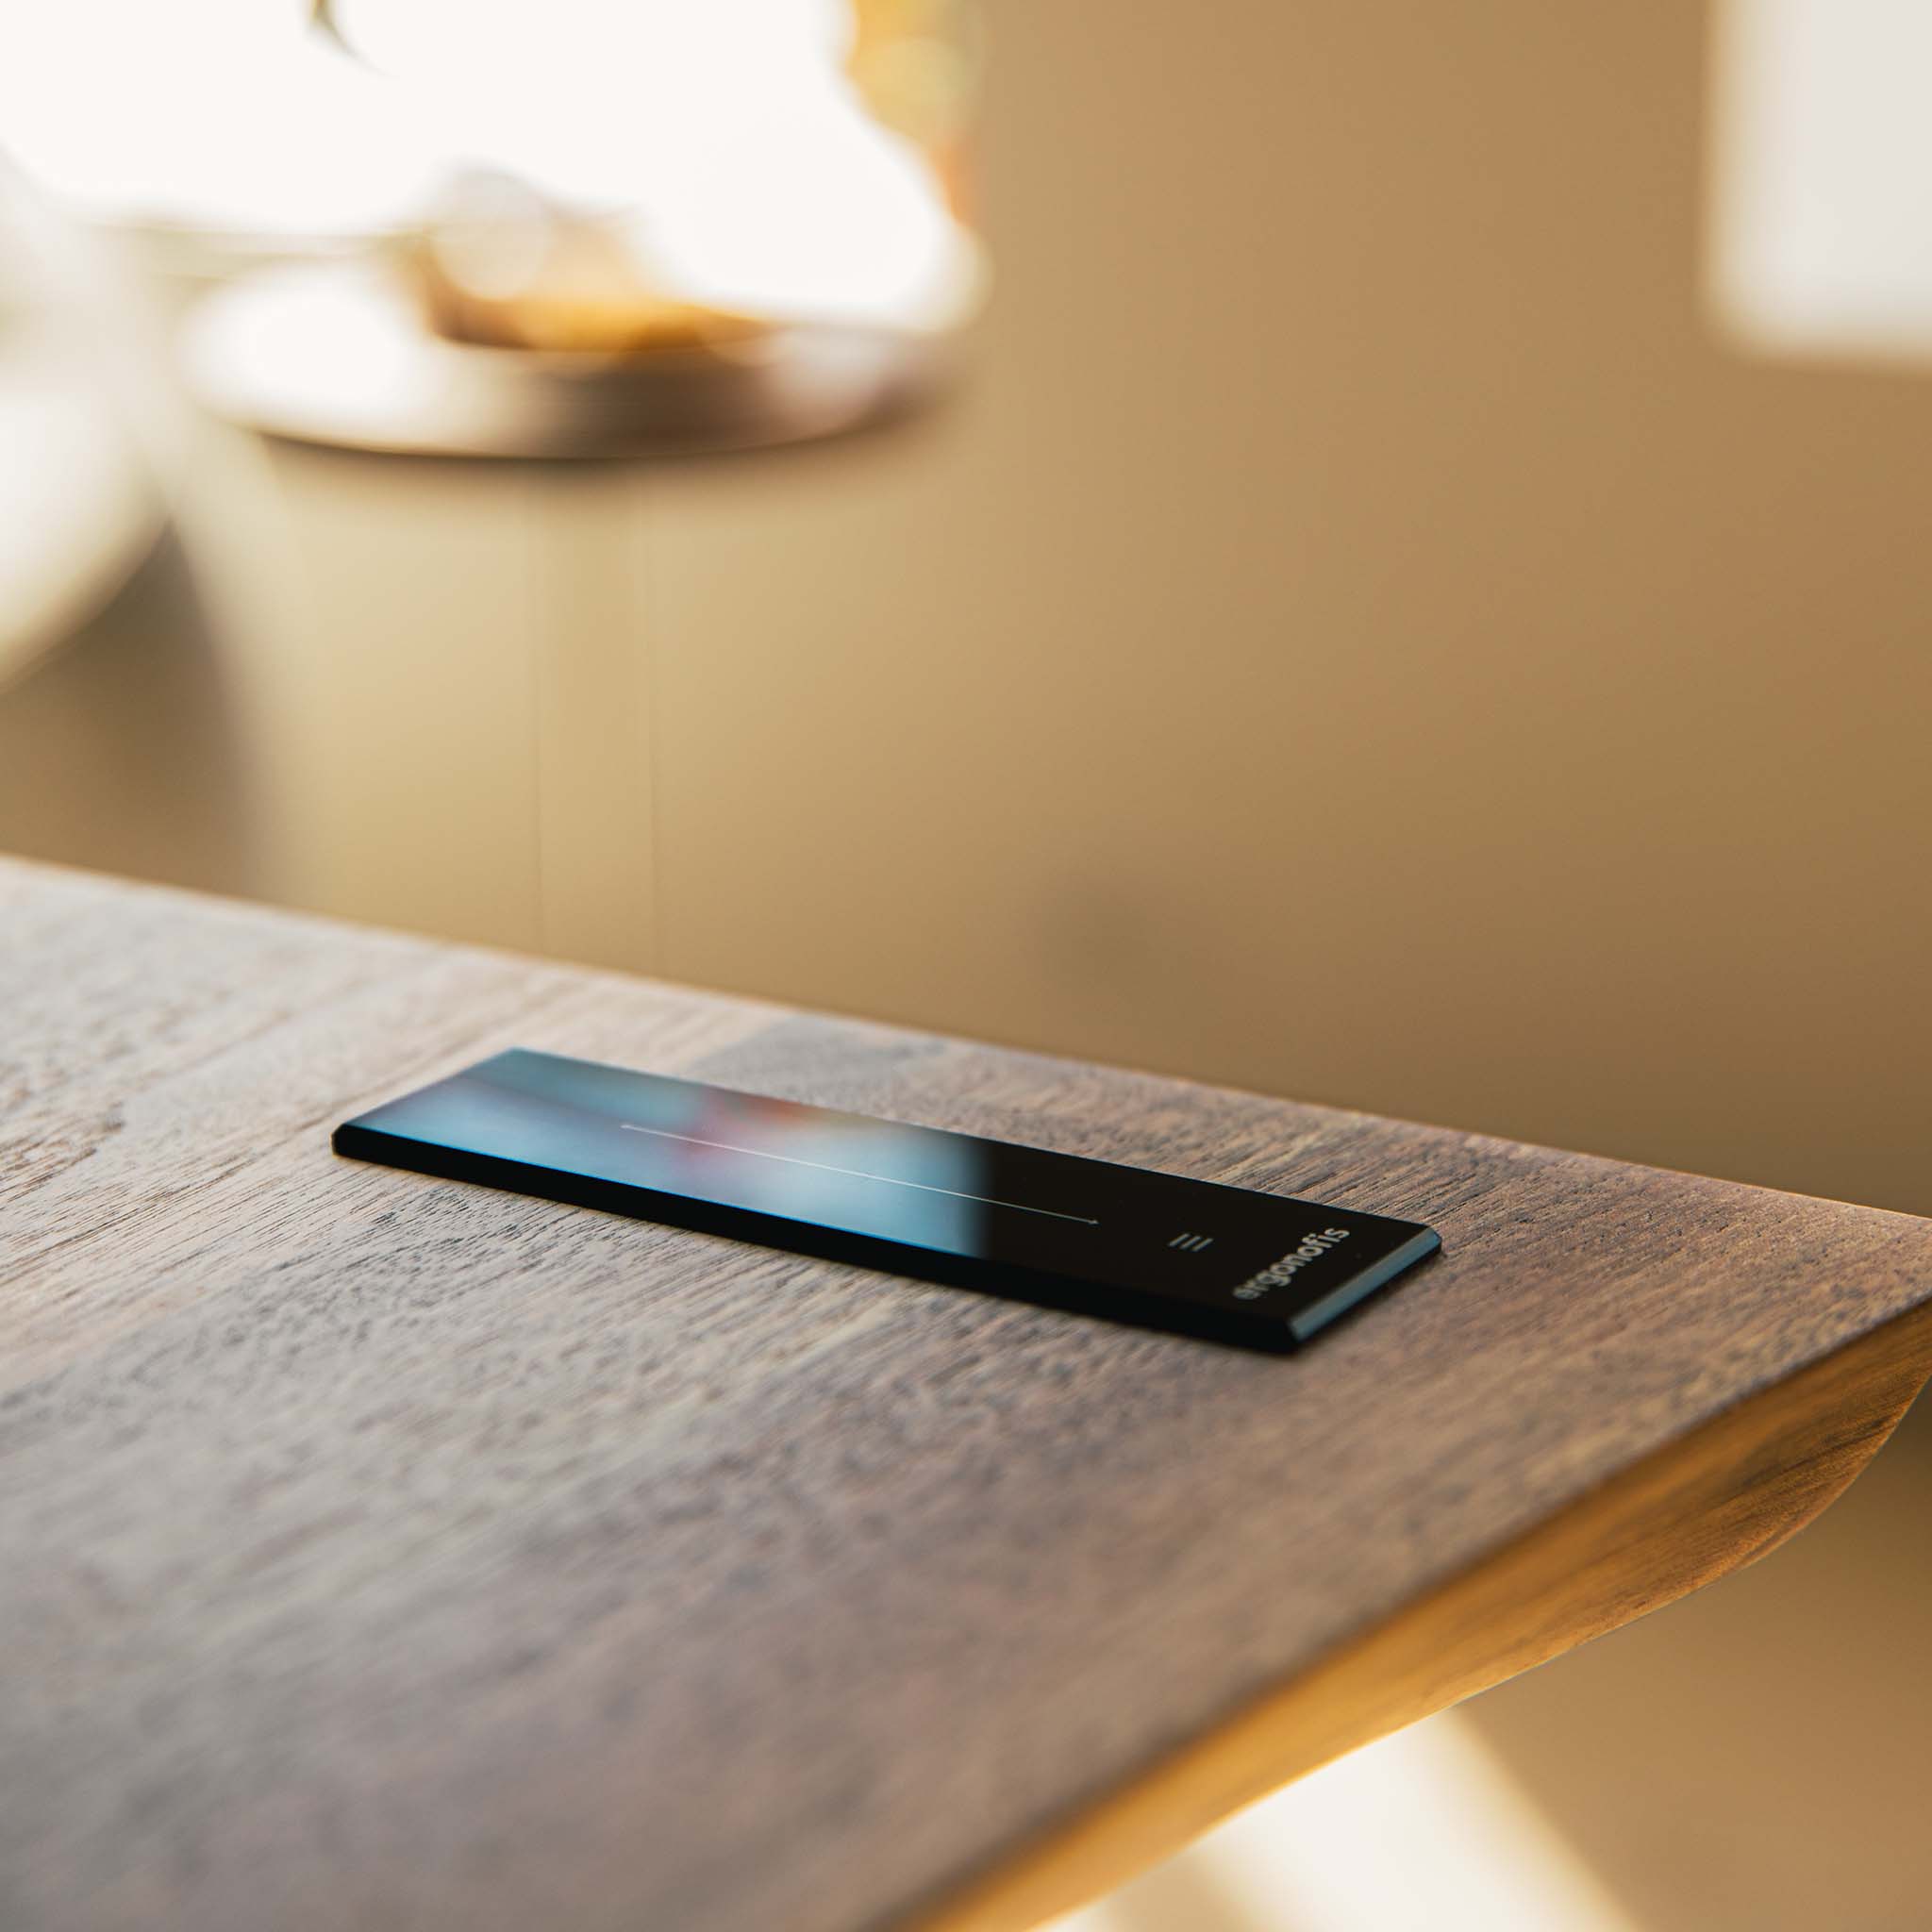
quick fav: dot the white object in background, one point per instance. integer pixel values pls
(77, 512)
(79, 502)
(1422, 1832)
(728, 135)
(1820, 195)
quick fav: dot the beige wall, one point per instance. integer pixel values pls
(1358, 635)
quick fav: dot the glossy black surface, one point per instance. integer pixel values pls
(1155, 1249)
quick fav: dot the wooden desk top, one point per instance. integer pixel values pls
(385, 1552)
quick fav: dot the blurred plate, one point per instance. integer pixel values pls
(339, 354)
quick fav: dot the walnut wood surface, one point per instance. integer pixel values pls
(381, 1552)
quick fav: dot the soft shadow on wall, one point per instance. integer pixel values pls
(1365, 634)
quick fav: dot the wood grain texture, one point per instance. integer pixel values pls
(383, 1552)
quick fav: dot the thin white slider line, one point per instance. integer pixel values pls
(856, 1174)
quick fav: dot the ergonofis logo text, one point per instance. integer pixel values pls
(1278, 1273)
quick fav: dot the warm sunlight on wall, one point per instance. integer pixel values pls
(1820, 212)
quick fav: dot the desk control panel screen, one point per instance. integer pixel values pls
(1122, 1243)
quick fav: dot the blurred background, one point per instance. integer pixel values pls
(1372, 553)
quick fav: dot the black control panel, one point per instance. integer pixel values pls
(1125, 1243)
